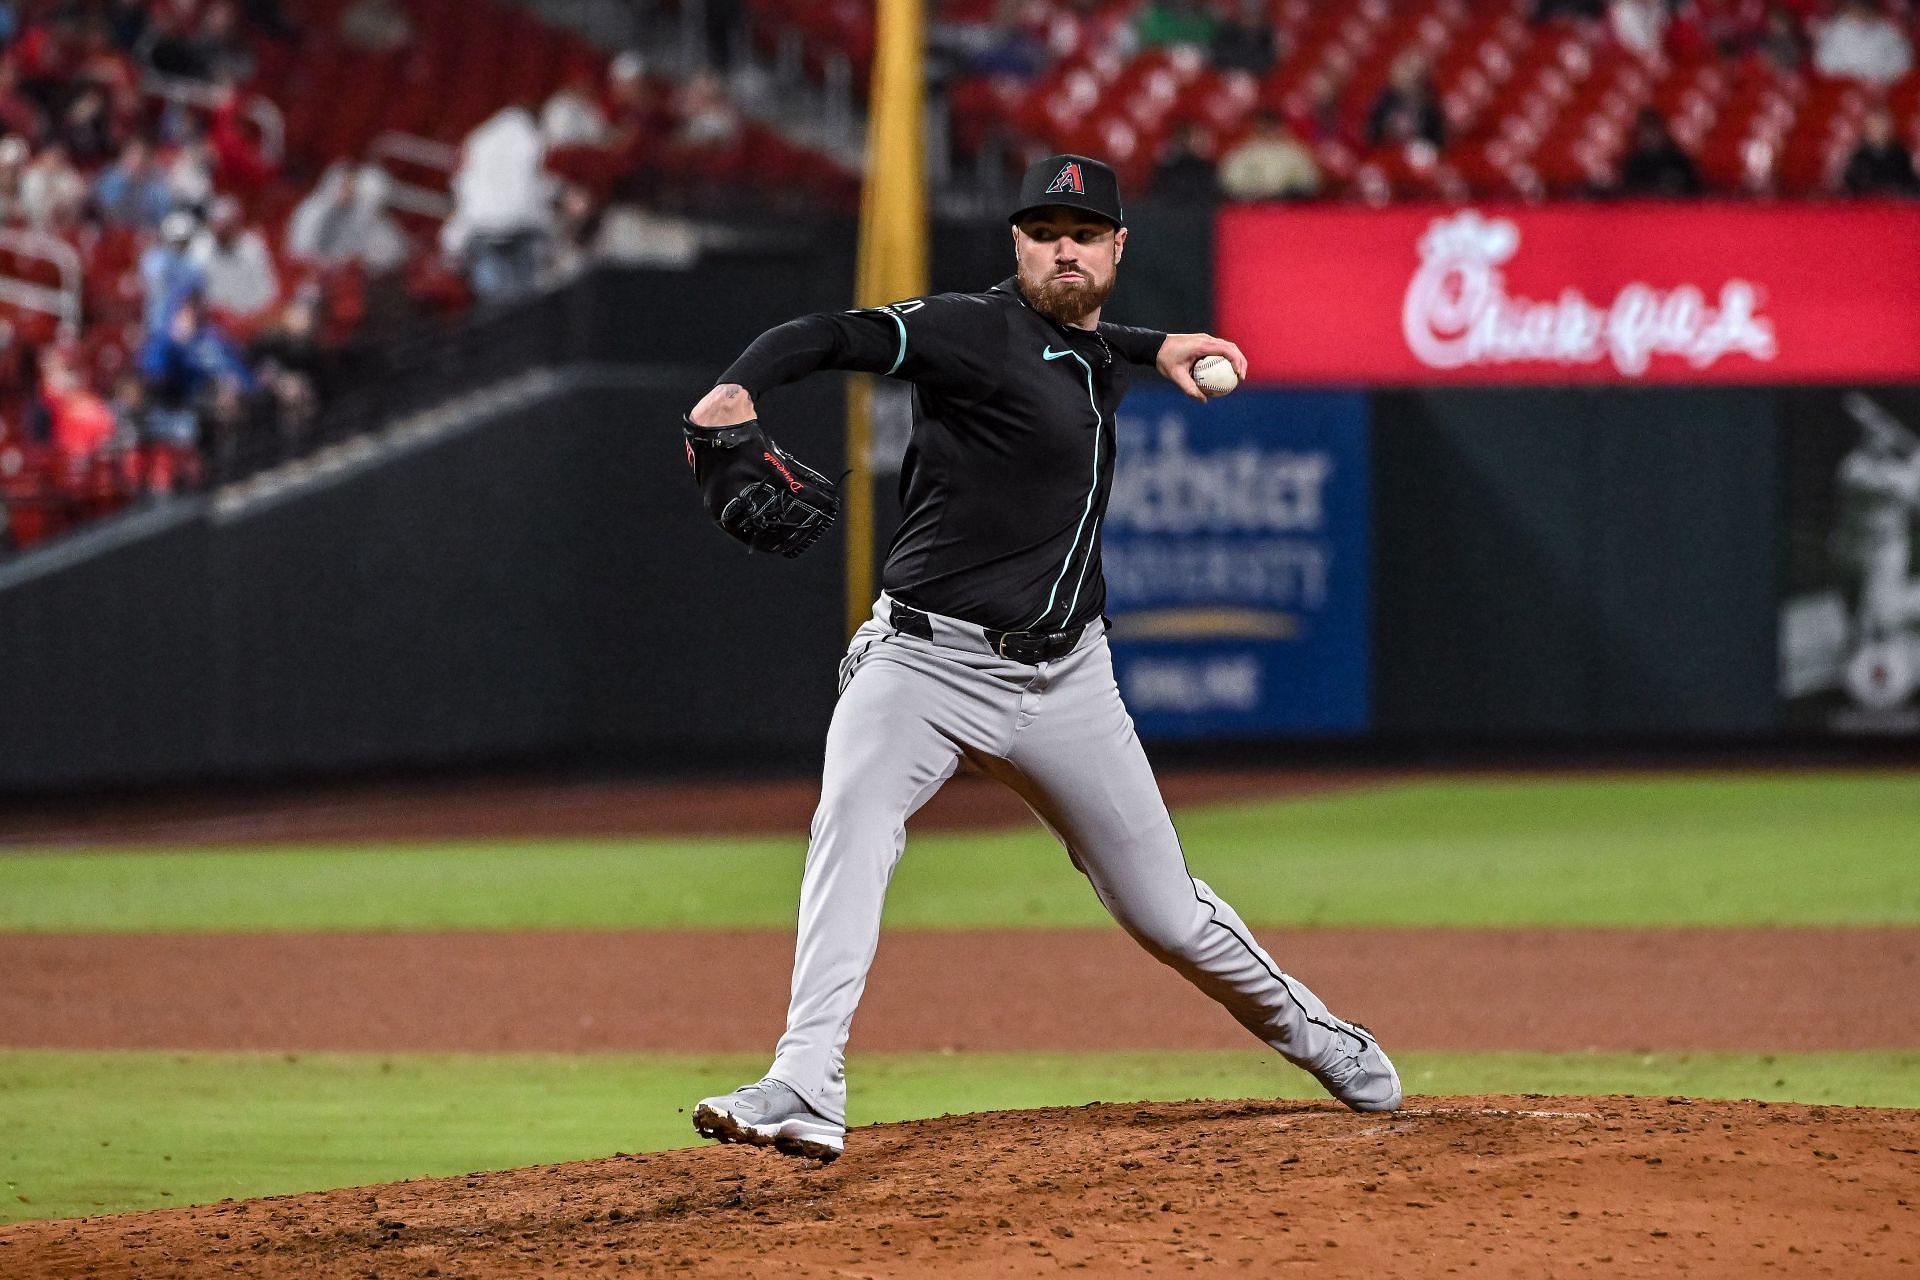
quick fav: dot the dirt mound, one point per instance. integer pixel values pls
(1502, 1186)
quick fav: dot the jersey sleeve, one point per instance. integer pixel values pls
(951, 342)
(1136, 346)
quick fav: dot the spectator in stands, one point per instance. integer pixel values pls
(1655, 165)
(107, 67)
(126, 24)
(80, 425)
(1184, 176)
(196, 378)
(240, 281)
(502, 206)
(240, 163)
(1313, 112)
(190, 173)
(86, 128)
(1093, 25)
(1407, 108)
(13, 171)
(132, 191)
(572, 116)
(376, 26)
(1245, 41)
(48, 53)
(1861, 43)
(577, 219)
(290, 367)
(224, 47)
(1881, 164)
(167, 45)
(129, 405)
(290, 348)
(1269, 164)
(1165, 23)
(1638, 26)
(214, 48)
(345, 220)
(53, 193)
(636, 109)
(707, 117)
(1578, 10)
(1715, 27)
(19, 113)
(634, 118)
(1004, 48)
(167, 270)
(1781, 48)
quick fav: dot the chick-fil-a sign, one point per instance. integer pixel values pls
(1578, 293)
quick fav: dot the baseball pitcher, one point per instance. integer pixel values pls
(988, 643)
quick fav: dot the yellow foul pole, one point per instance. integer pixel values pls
(893, 250)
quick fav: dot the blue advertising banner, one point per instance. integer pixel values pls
(1238, 563)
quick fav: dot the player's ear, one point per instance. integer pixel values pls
(1119, 243)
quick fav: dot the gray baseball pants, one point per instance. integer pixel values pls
(1056, 733)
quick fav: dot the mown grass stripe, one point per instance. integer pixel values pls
(1811, 849)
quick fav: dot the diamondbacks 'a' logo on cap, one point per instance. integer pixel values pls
(1068, 179)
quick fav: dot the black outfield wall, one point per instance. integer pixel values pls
(538, 587)
(1562, 562)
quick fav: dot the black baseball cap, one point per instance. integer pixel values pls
(1078, 182)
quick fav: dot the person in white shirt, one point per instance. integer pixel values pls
(1269, 164)
(572, 116)
(502, 205)
(344, 219)
(241, 279)
(1861, 43)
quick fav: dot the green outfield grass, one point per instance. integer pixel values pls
(85, 1133)
(1804, 848)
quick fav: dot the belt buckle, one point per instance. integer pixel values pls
(1000, 645)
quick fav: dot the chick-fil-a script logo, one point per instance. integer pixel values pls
(1458, 313)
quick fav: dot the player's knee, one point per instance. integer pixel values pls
(850, 807)
(1170, 934)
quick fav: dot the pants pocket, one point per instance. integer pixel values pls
(851, 662)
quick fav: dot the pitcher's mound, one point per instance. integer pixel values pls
(1508, 1186)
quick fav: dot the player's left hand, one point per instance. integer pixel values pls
(1180, 350)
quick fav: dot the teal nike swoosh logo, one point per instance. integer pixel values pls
(1050, 354)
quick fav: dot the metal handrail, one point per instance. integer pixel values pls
(197, 93)
(62, 301)
(428, 153)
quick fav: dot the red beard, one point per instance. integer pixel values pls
(1065, 301)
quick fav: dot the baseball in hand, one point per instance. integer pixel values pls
(1214, 375)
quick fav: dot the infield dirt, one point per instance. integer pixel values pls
(1625, 990)
(1529, 1187)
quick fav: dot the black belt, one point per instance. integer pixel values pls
(1021, 646)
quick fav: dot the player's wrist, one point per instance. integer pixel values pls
(727, 405)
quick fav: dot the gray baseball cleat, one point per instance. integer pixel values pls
(1359, 1073)
(771, 1114)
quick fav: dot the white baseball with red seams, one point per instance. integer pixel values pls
(1214, 375)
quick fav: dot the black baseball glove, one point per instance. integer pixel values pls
(757, 492)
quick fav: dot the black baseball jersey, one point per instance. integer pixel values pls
(1005, 480)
